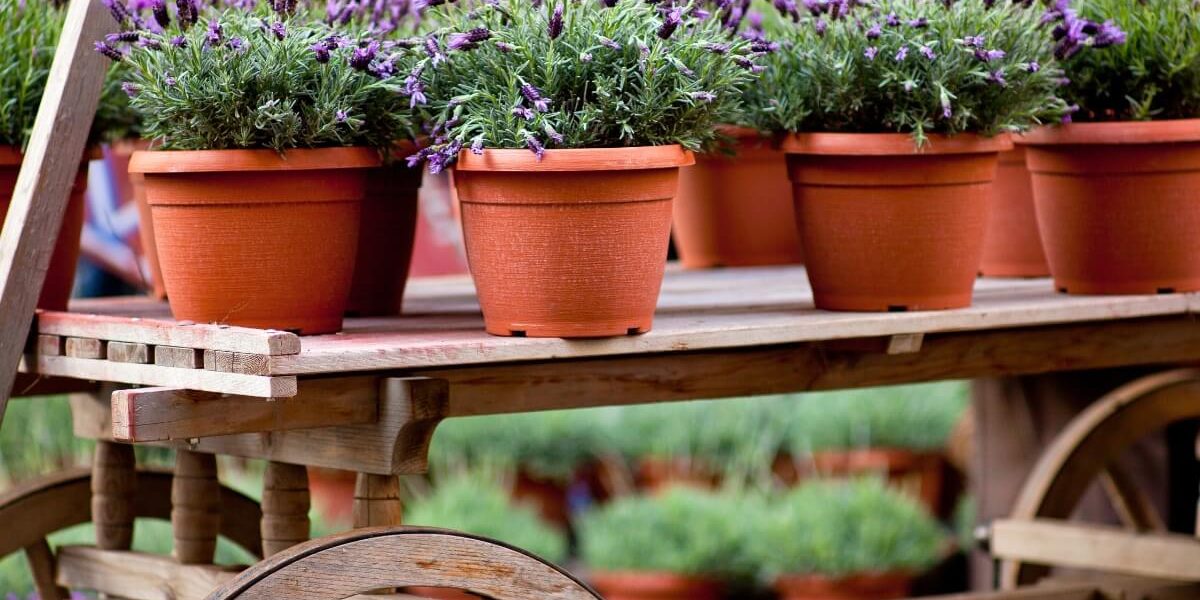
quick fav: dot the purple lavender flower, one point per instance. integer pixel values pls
(1033, 67)
(122, 37)
(534, 145)
(279, 30)
(608, 43)
(920, 23)
(716, 48)
(168, 80)
(997, 77)
(902, 54)
(159, 9)
(179, 41)
(189, 13)
(609, 3)
(130, 89)
(871, 52)
(874, 32)
(534, 97)
(788, 8)
(214, 35)
(973, 41)
(928, 52)
(341, 116)
(704, 97)
(434, 50)
(505, 46)
(989, 55)
(820, 25)
(555, 26)
(149, 44)
(585, 57)
(1071, 110)
(468, 40)
(477, 146)
(747, 64)
(362, 57)
(118, 10)
(109, 51)
(416, 94)
(1108, 35)
(321, 52)
(764, 47)
(671, 22)
(893, 20)
(909, 85)
(524, 113)
(552, 134)
(237, 44)
(946, 111)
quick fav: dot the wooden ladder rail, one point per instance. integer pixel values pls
(40, 199)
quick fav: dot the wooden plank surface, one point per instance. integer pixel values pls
(163, 330)
(192, 379)
(158, 414)
(1109, 549)
(138, 576)
(51, 161)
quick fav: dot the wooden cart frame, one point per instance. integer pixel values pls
(369, 399)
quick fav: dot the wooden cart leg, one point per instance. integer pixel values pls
(285, 507)
(114, 480)
(376, 501)
(195, 507)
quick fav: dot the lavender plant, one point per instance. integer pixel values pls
(911, 66)
(262, 77)
(1153, 72)
(577, 74)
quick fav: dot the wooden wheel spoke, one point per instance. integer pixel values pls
(42, 565)
(1130, 502)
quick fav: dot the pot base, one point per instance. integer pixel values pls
(567, 330)
(1014, 270)
(877, 304)
(1126, 288)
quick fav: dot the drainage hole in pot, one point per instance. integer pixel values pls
(1166, 290)
(518, 332)
(897, 308)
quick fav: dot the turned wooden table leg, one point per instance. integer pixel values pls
(376, 501)
(195, 507)
(285, 505)
(114, 479)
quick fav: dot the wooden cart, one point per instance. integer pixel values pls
(368, 400)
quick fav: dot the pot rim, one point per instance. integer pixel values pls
(1114, 133)
(895, 574)
(577, 159)
(892, 144)
(654, 575)
(240, 160)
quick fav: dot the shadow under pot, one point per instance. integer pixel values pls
(255, 238)
(60, 278)
(888, 226)
(572, 245)
(649, 585)
(736, 211)
(1117, 205)
(1012, 246)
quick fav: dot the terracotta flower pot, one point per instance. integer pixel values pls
(1117, 205)
(636, 585)
(122, 152)
(547, 496)
(866, 586)
(573, 245)
(256, 239)
(888, 227)
(655, 474)
(437, 593)
(737, 210)
(60, 278)
(921, 475)
(1012, 246)
(385, 240)
(332, 493)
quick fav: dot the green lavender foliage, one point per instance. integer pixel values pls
(477, 503)
(843, 527)
(684, 530)
(827, 83)
(650, 91)
(260, 91)
(1155, 74)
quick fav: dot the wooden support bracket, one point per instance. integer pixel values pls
(158, 414)
(1109, 549)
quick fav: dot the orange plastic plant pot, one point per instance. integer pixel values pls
(649, 585)
(60, 277)
(737, 210)
(1117, 205)
(1013, 246)
(865, 586)
(574, 245)
(255, 238)
(888, 227)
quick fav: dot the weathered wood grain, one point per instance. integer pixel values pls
(131, 352)
(138, 576)
(158, 414)
(43, 568)
(114, 487)
(1109, 549)
(179, 357)
(285, 507)
(52, 157)
(91, 348)
(195, 508)
(194, 379)
(165, 332)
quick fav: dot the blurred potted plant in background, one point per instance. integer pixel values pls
(897, 112)
(477, 503)
(1115, 187)
(684, 544)
(853, 539)
(288, 112)
(569, 122)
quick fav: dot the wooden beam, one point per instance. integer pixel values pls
(192, 379)
(51, 161)
(158, 414)
(138, 576)
(177, 356)
(410, 408)
(1053, 542)
(170, 333)
(1072, 591)
(131, 352)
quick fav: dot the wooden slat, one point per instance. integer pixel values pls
(42, 566)
(85, 348)
(157, 414)
(131, 352)
(193, 379)
(175, 356)
(409, 411)
(52, 157)
(169, 333)
(1073, 591)
(138, 576)
(1051, 542)
(50, 345)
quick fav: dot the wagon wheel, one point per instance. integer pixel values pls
(365, 560)
(35, 509)
(1087, 450)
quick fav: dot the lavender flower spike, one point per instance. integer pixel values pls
(213, 38)
(533, 144)
(477, 146)
(705, 97)
(997, 77)
(279, 30)
(524, 113)
(555, 26)
(434, 50)
(928, 53)
(1108, 35)
(920, 23)
(553, 135)
(505, 46)
(159, 8)
(902, 54)
(119, 11)
(716, 48)
(109, 51)
(874, 32)
(468, 40)
(534, 97)
(671, 22)
(364, 55)
(130, 89)
(321, 51)
(611, 44)
(871, 52)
